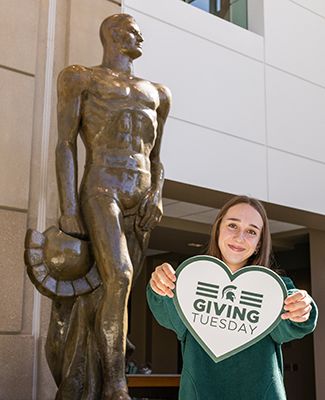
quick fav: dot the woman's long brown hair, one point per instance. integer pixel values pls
(263, 253)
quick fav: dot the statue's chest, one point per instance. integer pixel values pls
(133, 93)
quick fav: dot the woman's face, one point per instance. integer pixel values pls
(239, 235)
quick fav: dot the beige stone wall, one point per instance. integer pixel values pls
(29, 63)
(16, 341)
(18, 38)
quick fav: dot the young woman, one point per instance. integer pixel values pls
(240, 236)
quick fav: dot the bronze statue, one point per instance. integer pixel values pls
(120, 119)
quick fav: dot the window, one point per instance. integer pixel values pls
(234, 11)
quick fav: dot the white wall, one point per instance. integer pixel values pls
(248, 111)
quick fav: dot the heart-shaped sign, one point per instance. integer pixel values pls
(227, 312)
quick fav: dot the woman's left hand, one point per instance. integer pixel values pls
(297, 306)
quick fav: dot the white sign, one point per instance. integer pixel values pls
(227, 312)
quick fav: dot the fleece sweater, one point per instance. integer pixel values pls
(255, 373)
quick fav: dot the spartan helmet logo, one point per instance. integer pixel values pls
(228, 293)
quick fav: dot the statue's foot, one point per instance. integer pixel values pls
(118, 395)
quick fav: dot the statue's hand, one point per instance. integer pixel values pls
(73, 225)
(150, 210)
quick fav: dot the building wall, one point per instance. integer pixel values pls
(17, 81)
(248, 112)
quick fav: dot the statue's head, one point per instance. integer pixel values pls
(122, 32)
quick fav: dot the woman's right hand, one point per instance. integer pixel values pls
(163, 280)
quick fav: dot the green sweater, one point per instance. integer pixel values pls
(252, 374)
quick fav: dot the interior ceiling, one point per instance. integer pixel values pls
(185, 229)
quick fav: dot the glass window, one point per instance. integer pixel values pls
(234, 11)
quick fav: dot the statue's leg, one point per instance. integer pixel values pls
(104, 222)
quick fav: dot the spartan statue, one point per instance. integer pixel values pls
(89, 264)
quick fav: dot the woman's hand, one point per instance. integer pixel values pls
(162, 280)
(297, 306)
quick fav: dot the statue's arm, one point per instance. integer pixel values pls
(72, 81)
(151, 207)
(157, 169)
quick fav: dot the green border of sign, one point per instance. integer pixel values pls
(232, 276)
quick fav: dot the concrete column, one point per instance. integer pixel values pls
(317, 260)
